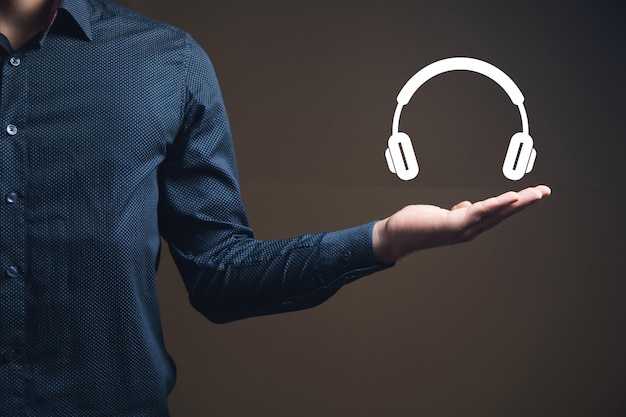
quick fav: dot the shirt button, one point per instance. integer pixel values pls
(12, 130)
(15, 61)
(287, 303)
(11, 197)
(346, 256)
(12, 271)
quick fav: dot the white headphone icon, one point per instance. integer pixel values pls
(520, 156)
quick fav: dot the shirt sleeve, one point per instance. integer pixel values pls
(228, 273)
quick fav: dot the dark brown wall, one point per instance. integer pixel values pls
(527, 320)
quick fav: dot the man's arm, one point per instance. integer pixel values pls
(230, 274)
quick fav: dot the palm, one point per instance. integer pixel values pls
(422, 226)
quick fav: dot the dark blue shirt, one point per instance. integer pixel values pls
(113, 134)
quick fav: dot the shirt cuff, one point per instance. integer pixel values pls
(344, 256)
(348, 254)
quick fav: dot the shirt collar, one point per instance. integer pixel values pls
(67, 16)
(5, 46)
(76, 18)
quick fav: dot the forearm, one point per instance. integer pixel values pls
(243, 277)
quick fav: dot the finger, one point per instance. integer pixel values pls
(545, 190)
(462, 204)
(537, 192)
(528, 197)
(510, 202)
(493, 212)
(491, 206)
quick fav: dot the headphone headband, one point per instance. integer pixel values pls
(400, 155)
(460, 64)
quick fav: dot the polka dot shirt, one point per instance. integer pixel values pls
(113, 134)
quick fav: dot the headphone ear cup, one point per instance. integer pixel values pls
(406, 167)
(518, 156)
(531, 162)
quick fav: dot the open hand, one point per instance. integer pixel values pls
(424, 226)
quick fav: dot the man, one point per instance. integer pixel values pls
(114, 134)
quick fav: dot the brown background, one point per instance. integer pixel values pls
(527, 320)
